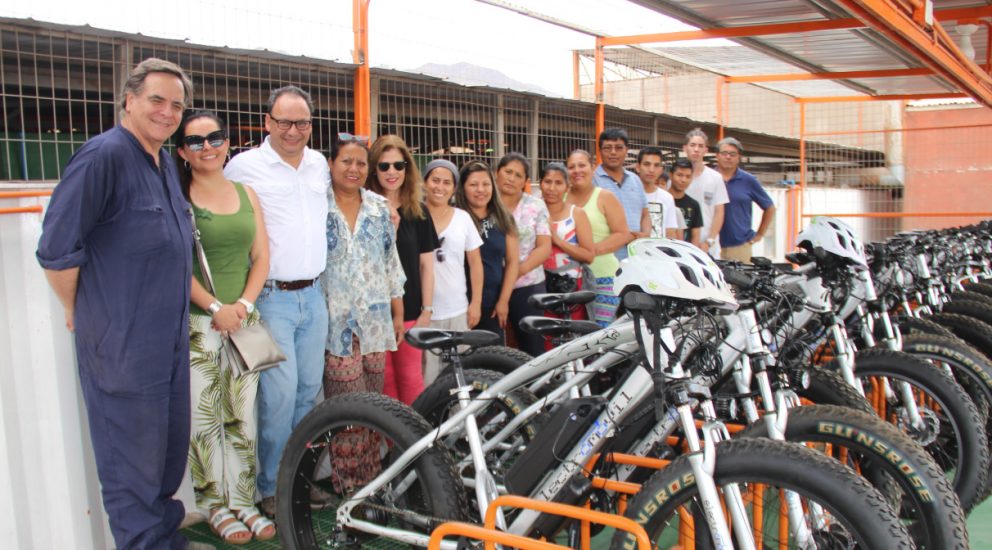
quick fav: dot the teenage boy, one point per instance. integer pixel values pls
(708, 189)
(681, 179)
(661, 204)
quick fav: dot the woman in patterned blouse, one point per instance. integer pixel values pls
(364, 286)
(535, 244)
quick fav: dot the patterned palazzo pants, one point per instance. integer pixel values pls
(223, 436)
(355, 452)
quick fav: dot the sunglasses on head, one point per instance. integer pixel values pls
(345, 137)
(399, 166)
(196, 143)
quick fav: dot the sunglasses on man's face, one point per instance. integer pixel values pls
(399, 166)
(196, 143)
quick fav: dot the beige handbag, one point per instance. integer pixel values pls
(248, 349)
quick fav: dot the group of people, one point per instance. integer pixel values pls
(339, 257)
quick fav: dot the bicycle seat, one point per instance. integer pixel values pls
(552, 301)
(433, 338)
(549, 326)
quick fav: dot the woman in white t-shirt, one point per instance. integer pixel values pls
(460, 240)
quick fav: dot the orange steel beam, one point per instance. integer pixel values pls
(734, 32)
(899, 130)
(931, 45)
(363, 87)
(24, 194)
(839, 75)
(21, 209)
(600, 95)
(890, 97)
(776, 28)
(907, 215)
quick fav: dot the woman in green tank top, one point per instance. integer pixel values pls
(609, 233)
(222, 440)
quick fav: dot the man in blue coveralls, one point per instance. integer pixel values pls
(117, 250)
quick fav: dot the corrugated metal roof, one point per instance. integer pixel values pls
(820, 51)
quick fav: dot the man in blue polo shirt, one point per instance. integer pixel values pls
(612, 176)
(736, 235)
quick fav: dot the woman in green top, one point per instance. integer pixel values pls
(222, 441)
(609, 233)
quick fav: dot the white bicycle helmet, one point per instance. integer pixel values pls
(835, 237)
(665, 267)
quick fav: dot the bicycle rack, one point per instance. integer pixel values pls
(491, 536)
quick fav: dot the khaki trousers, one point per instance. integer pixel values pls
(741, 253)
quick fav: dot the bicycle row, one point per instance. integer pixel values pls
(838, 401)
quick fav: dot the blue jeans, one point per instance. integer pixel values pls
(297, 320)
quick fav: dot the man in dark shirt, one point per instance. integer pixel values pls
(116, 249)
(680, 180)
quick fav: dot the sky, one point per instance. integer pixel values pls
(404, 34)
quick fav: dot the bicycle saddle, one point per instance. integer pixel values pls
(433, 338)
(552, 301)
(549, 326)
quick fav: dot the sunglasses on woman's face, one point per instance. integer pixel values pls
(399, 166)
(195, 143)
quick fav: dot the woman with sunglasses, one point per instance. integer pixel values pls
(535, 243)
(460, 241)
(500, 248)
(363, 281)
(232, 232)
(395, 176)
(609, 233)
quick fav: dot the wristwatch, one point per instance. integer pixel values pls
(711, 242)
(214, 307)
(250, 307)
(429, 309)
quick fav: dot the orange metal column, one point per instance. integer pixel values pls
(802, 178)
(363, 88)
(576, 88)
(600, 99)
(721, 113)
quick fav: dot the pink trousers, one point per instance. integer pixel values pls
(404, 375)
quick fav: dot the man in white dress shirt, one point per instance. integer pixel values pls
(292, 183)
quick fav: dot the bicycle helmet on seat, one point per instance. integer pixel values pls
(835, 237)
(666, 267)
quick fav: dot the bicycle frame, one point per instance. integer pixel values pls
(635, 389)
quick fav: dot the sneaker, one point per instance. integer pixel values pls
(268, 506)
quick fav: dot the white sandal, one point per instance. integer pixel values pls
(233, 527)
(257, 522)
